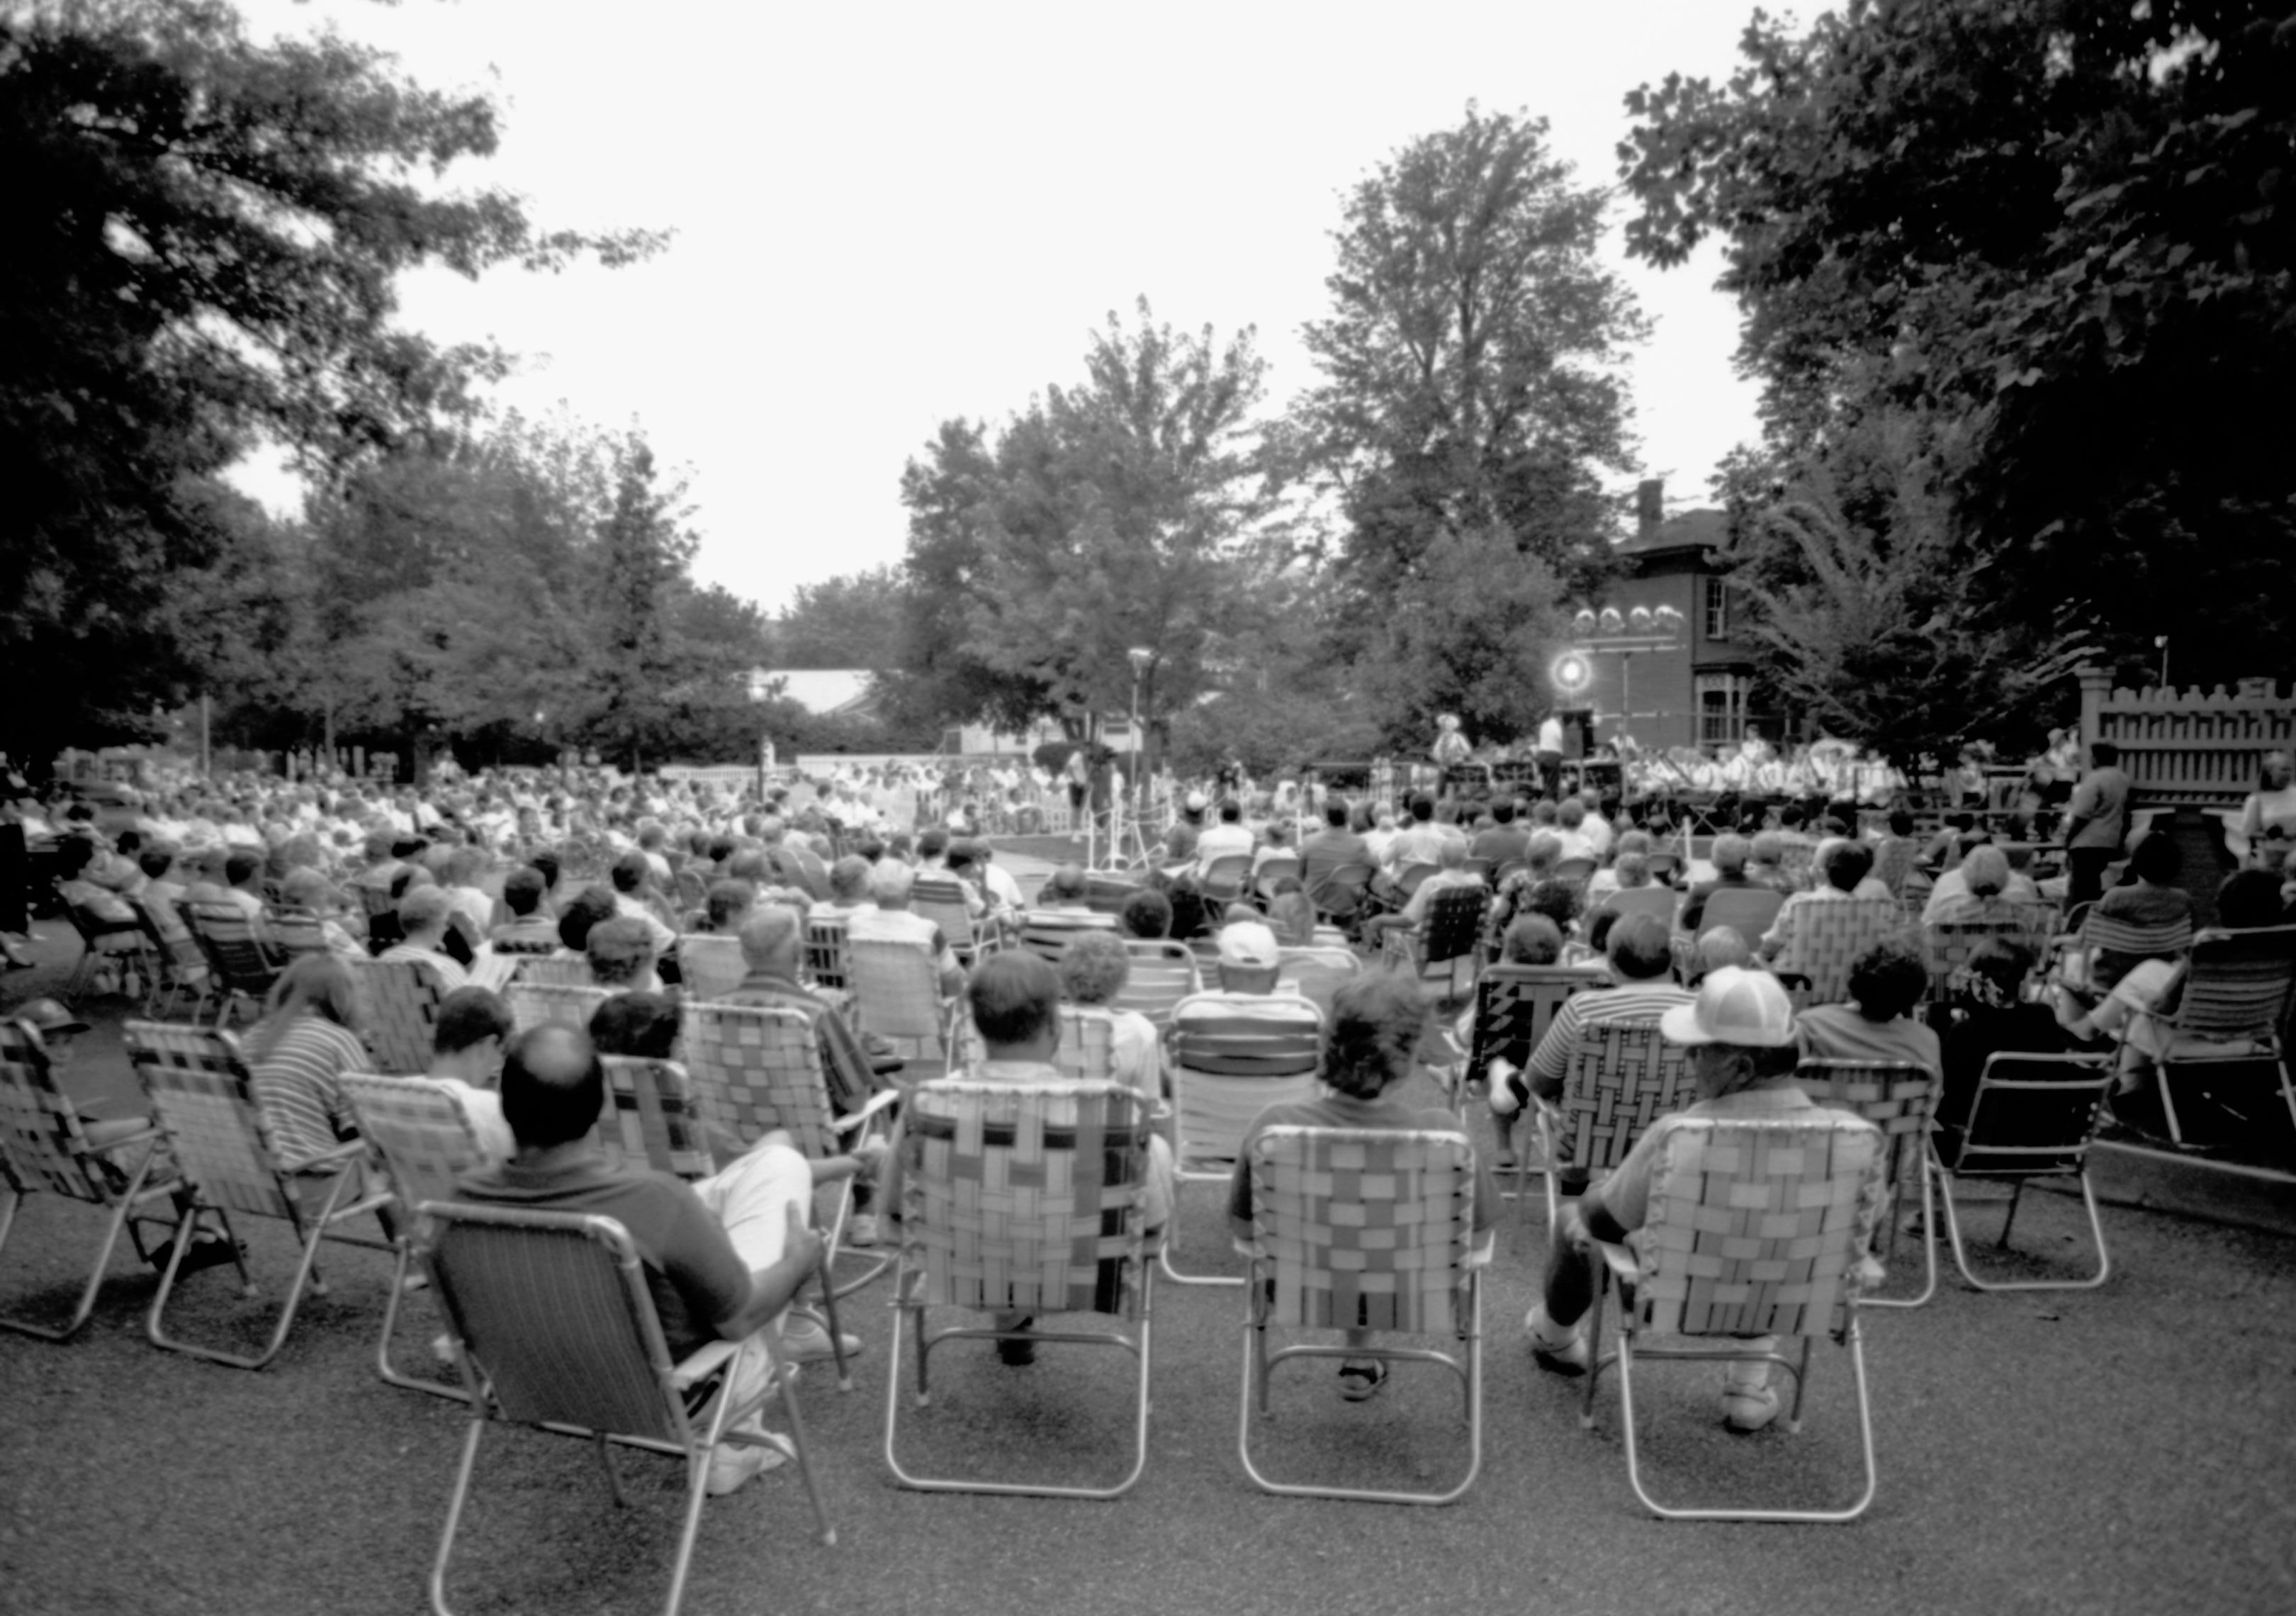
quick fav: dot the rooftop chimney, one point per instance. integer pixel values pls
(1650, 506)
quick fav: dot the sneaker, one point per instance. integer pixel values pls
(805, 1340)
(732, 1465)
(1504, 1100)
(1748, 1401)
(1362, 1378)
(1553, 1348)
(860, 1232)
(1021, 1352)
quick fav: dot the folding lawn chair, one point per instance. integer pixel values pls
(1749, 911)
(202, 1094)
(552, 971)
(1228, 1065)
(2230, 1006)
(240, 964)
(177, 964)
(824, 950)
(1756, 1228)
(1225, 878)
(539, 1004)
(940, 899)
(709, 967)
(1363, 1229)
(1046, 933)
(2033, 1116)
(1031, 1200)
(1623, 1076)
(1827, 937)
(44, 1145)
(114, 947)
(896, 996)
(1318, 972)
(1339, 896)
(399, 1001)
(1900, 1098)
(554, 1327)
(1515, 1005)
(1446, 946)
(421, 1138)
(649, 1116)
(1163, 973)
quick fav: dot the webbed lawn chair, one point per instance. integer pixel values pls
(940, 899)
(824, 950)
(399, 1000)
(1515, 1005)
(178, 965)
(1316, 971)
(1900, 1098)
(1163, 972)
(1827, 937)
(1623, 1076)
(1223, 881)
(650, 1117)
(1749, 911)
(2033, 1116)
(1363, 1229)
(202, 1096)
(539, 1004)
(1226, 1066)
(1755, 1228)
(709, 967)
(1046, 933)
(240, 967)
(554, 1328)
(1445, 950)
(552, 971)
(1029, 1199)
(45, 1145)
(2231, 1007)
(896, 991)
(1339, 896)
(421, 1138)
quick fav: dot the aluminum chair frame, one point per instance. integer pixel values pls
(400, 1001)
(2236, 994)
(2065, 1156)
(44, 1145)
(203, 1100)
(502, 1384)
(1158, 965)
(981, 1157)
(172, 956)
(896, 992)
(1267, 1051)
(1453, 924)
(1317, 972)
(421, 1138)
(539, 1004)
(1900, 1098)
(1697, 1260)
(1623, 1076)
(1409, 1266)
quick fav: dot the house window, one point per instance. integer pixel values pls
(1717, 609)
(1721, 707)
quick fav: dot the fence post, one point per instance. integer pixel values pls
(2095, 681)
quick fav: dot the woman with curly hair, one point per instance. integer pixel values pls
(1371, 1036)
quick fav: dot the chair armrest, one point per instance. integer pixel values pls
(701, 1363)
(344, 1152)
(878, 1101)
(1620, 1260)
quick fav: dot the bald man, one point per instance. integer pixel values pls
(723, 1255)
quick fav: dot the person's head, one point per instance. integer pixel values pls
(1451, 853)
(1532, 940)
(1336, 814)
(547, 862)
(2247, 899)
(378, 845)
(2104, 754)
(2154, 859)
(1422, 808)
(1066, 885)
(1375, 1022)
(1720, 945)
(727, 902)
(553, 1087)
(848, 880)
(1559, 900)
(467, 1039)
(1901, 822)
(642, 1024)
(1146, 914)
(1633, 870)
(1542, 852)
(1570, 813)
(1986, 871)
(932, 842)
(1740, 1030)
(1249, 956)
(1888, 980)
(422, 913)
(591, 907)
(306, 888)
(463, 867)
(522, 890)
(1769, 848)
(56, 1023)
(629, 871)
(1997, 969)
(621, 953)
(772, 939)
(241, 866)
(1847, 863)
(1015, 998)
(312, 984)
(889, 880)
(1731, 852)
(155, 859)
(2274, 773)
(1503, 810)
(1094, 966)
(1638, 948)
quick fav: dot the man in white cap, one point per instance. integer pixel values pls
(1250, 961)
(1741, 1034)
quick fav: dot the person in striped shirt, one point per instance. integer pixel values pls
(1640, 954)
(296, 1056)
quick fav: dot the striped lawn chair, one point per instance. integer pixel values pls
(399, 1000)
(940, 899)
(239, 965)
(554, 970)
(554, 1327)
(2233, 1003)
(1363, 1229)
(709, 967)
(1046, 933)
(650, 1116)
(1315, 973)
(1756, 1228)
(1947, 946)
(2033, 1116)
(1027, 1200)
(824, 950)
(44, 1145)
(1228, 1063)
(1623, 1076)
(109, 950)
(1087, 1046)
(1900, 1098)
(421, 1139)
(537, 1004)
(295, 932)
(178, 965)
(202, 1096)
(1515, 1005)
(1163, 972)
(1827, 937)
(896, 996)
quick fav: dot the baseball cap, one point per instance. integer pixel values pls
(47, 1015)
(1248, 946)
(1198, 802)
(1734, 1006)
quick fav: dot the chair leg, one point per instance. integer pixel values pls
(1960, 1257)
(2168, 1104)
(306, 1276)
(454, 1501)
(382, 1363)
(1929, 1245)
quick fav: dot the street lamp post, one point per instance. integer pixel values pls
(1635, 632)
(1142, 658)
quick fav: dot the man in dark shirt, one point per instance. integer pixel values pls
(1504, 843)
(723, 1256)
(1332, 849)
(1730, 854)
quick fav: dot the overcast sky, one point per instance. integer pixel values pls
(891, 214)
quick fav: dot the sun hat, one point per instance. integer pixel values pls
(1248, 946)
(47, 1016)
(1734, 1006)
